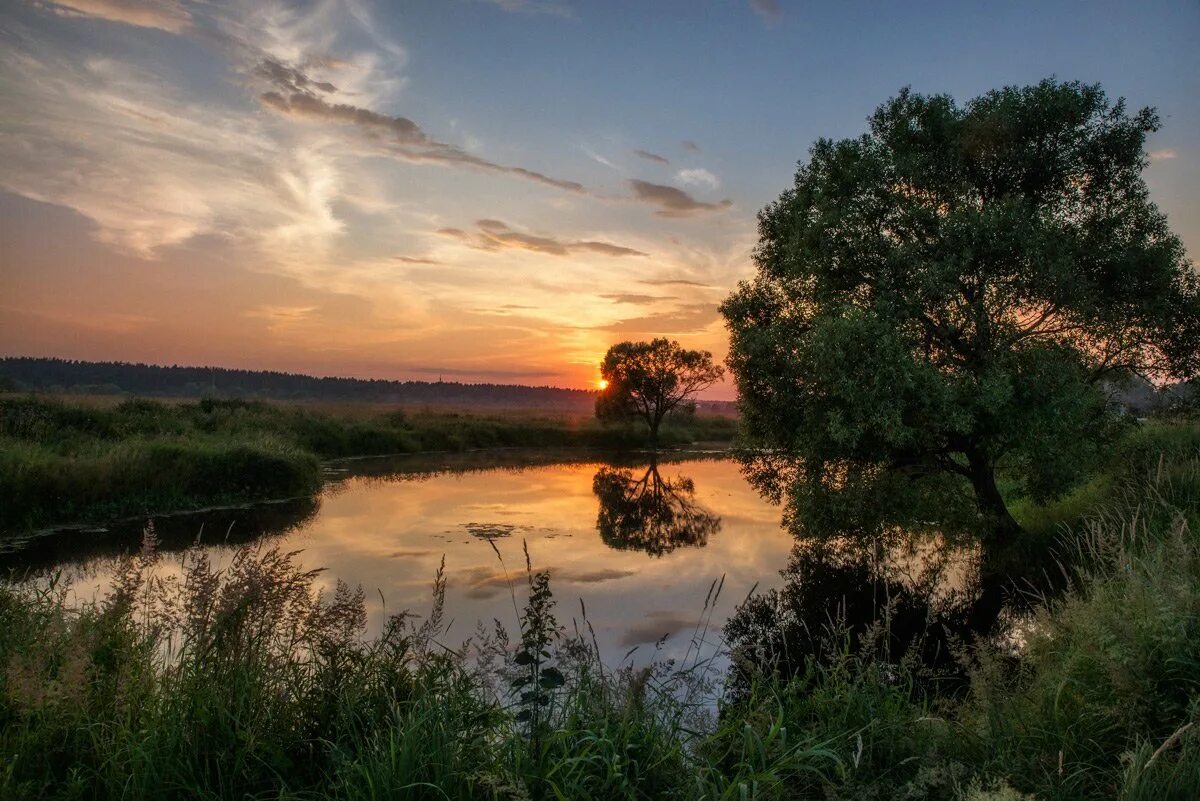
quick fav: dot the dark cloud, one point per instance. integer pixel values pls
(505, 240)
(673, 202)
(673, 282)
(687, 317)
(483, 582)
(658, 625)
(606, 249)
(498, 235)
(635, 299)
(289, 79)
(690, 146)
(415, 260)
(397, 136)
(769, 10)
(596, 576)
(648, 156)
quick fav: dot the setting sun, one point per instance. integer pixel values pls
(602, 384)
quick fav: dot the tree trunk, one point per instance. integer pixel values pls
(983, 480)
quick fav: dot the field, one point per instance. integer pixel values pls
(96, 457)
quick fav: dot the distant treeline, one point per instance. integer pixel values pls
(65, 375)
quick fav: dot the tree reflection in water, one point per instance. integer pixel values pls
(650, 513)
(919, 598)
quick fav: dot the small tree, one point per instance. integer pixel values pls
(650, 379)
(945, 295)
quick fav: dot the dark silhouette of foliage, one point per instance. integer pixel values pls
(946, 296)
(650, 513)
(24, 373)
(651, 380)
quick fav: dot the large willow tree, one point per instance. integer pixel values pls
(946, 296)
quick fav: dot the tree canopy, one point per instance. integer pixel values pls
(945, 296)
(651, 379)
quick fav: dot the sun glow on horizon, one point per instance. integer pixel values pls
(602, 384)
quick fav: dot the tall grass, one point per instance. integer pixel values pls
(1108, 686)
(248, 682)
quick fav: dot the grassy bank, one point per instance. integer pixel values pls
(63, 461)
(247, 684)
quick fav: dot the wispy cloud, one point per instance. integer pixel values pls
(415, 260)
(685, 318)
(673, 202)
(151, 169)
(673, 282)
(596, 157)
(1164, 154)
(534, 7)
(398, 136)
(698, 176)
(635, 299)
(690, 146)
(497, 235)
(648, 156)
(769, 10)
(166, 15)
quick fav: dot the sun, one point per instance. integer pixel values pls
(602, 384)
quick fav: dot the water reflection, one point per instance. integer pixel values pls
(915, 597)
(650, 513)
(83, 551)
(386, 524)
(589, 520)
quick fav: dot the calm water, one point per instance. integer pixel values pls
(640, 546)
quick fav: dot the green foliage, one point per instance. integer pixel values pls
(538, 676)
(1110, 672)
(938, 299)
(651, 380)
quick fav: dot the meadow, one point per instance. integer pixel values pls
(94, 458)
(247, 683)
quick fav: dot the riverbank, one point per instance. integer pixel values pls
(171, 686)
(67, 461)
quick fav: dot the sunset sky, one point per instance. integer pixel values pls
(486, 190)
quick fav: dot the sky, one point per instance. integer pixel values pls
(481, 190)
